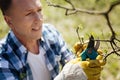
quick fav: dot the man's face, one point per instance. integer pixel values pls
(25, 19)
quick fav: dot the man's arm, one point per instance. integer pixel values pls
(61, 48)
(7, 72)
(66, 54)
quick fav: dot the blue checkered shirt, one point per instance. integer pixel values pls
(13, 55)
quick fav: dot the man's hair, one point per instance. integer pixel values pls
(5, 5)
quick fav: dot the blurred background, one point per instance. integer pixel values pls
(88, 24)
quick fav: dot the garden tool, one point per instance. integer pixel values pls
(91, 50)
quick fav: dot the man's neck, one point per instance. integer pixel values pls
(33, 46)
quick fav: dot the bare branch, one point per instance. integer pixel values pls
(68, 1)
(74, 10)
(112, 52)
(113, 6)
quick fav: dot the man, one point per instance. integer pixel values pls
(30, 42)
(32, 50)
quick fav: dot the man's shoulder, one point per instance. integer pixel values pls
(2, 44)
(49, 28)
(49, 31)
(2, 51)
(48, 25)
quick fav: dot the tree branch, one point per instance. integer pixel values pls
(74, 10)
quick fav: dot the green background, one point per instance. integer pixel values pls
(89, 24)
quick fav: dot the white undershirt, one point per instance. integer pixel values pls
(38, 66)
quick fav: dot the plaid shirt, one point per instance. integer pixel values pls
(13, 55)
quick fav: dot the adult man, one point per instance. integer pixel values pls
(32, 50)
(30, 36)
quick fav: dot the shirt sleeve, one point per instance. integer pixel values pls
(66, 54)
(6, 70)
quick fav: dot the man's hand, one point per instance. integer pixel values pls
(90, 58)
(92, 68)
(72, 71)
(82, 70)
(78, 48)
(88, 64)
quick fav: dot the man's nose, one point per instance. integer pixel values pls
(38, 17)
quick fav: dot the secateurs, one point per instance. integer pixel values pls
(91, 50)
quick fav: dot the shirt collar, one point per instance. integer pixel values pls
(22, 48)
(18, 43)
(42, 39)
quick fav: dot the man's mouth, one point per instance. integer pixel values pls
(36, 29)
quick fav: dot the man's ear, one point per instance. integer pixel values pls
(8, 21)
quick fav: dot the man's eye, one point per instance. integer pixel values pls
(39, 10)
(28, 13)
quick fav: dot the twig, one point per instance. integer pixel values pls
(74, 10)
